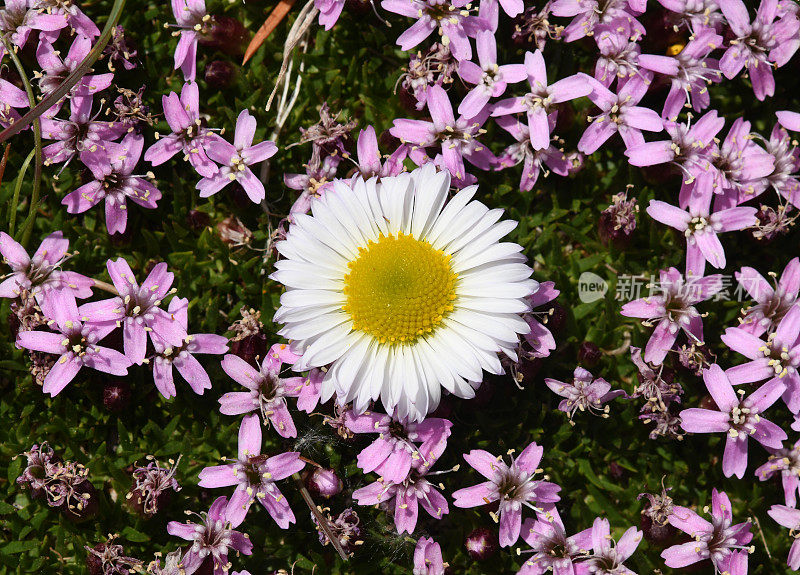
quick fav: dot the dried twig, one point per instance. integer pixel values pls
(278, 13)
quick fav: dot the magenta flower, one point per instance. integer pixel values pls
(313, 184)
(691, 71)
(76, 19)
(55, 69)
(188, 134)
(489, 79)
(785, 176)
(192, 20)
(41, 274)
(512, 485)
(584, 393)
(540, 340)
(235, 159)
(771, 303)
(450, 17)
(409, 495)
(75, 343)
(392, 454)
(80, 133)
(776, 358)
(534, 162)
(212, 538)
(182, 357)
(254, 476)
(694, 14)
(370, 163)
(789, 517)
(758, 46)
(539, 102)
(18, 18)
(588, 14)
(457, 137)
(619, 55)
(552, 549)
(137, 309)
(715, 540)
(787, 462)
(672, 310)
(428, 558)
(607, 558)
(739, 168)
(329, 11)
(11, 97)
(267, 389)
(688, 146)
(620, 114)
(701, 227)
(308, 390)
(112, 167)
(738, 417)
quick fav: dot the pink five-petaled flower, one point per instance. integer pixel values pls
(789, 517)
(701, 227)
(55, 69)
(267, 389)
(254, 476)
(716, 540)
(691, 71)
(181, 357)
(235, 159)
(584, 393)
(192, 20)
(760, 45)
(40, 274)
(772, 303)
(787, 462)
(785, 176)
(451, 17)
(777, 358)
(369, 157)
(539, 102)
(408, 495)
(392, 454)
(620, 114)
(512, 485)
(428, 558)
(76, 344)
(607, 558)
(78, 134)
(738, 416)
(457, 137)
(672, 310)
(212, 537)
(137, 309)
(588, 14)
(533, 161)
(551, 547)
(188, 134)
(112, 168)
(18, 18)
(489, 79)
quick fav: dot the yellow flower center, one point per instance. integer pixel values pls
(399, 288)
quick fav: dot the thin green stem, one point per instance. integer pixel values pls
(12, 217)
(37, 139)
(48, 101)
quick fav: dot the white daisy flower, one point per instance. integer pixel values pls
(400, 292)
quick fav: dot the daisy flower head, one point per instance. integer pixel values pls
(386, 282)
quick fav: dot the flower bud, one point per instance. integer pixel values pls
(220, 74)
(228, 35)
(198, 220)
(481, 544)
(323, 482)
(589, 355)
